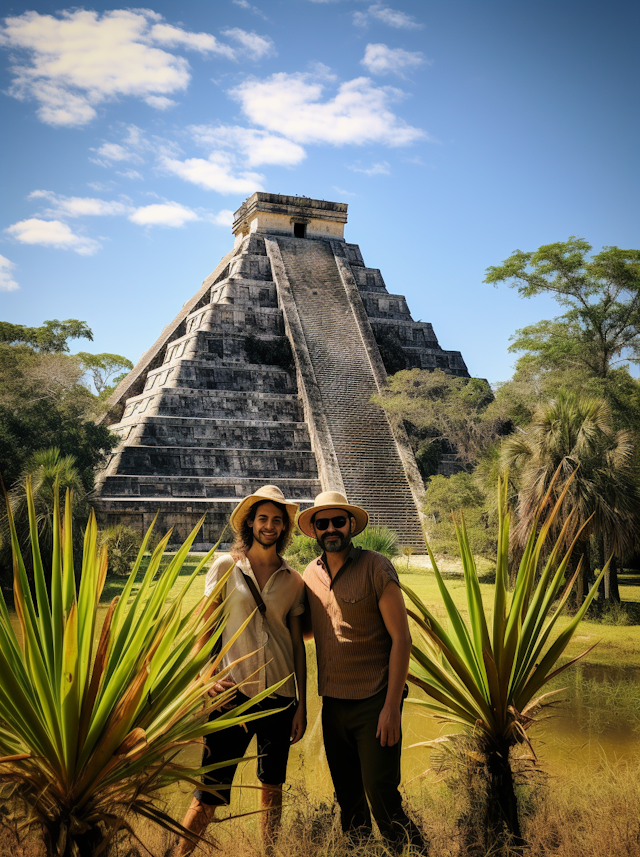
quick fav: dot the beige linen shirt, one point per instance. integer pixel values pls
(267, 634)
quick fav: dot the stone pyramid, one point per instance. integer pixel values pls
(266, 376)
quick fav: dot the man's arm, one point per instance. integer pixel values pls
(394, 616)
(299, 724)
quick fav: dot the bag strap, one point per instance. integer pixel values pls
(262, 607)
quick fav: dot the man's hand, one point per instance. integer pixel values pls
(299, 724)
(388, 730)
(220, 687)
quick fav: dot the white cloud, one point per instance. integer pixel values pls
(115, 152)
(244, 4)
(224, 217)
(7, 283)
(160, 102)
(163, 214)
(52, 233)
(130, 149)
(101, 187)
(343, 192)
(381, 59)
(78, 206)
(256, 147)
(216, 173)
(165, 34)
(391, 17)
(381, 168)
(129, 174)
(290, 104)
(72, 63)
(254, 46)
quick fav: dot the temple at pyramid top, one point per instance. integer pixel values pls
(296, 216)
(266, 376)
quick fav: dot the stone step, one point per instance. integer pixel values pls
(202, 487)
(180, 401)
(361, 435)
(236, 434)
(202, 375)
(267, 464)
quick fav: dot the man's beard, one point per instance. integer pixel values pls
(266, 541)
(335, 545)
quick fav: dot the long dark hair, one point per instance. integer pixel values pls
(244, 538)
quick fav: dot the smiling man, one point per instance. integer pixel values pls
(265, 591)
(359, 621)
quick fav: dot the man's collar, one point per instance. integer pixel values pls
(244, 564)
(352, 556)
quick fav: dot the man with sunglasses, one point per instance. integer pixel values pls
(359, 621)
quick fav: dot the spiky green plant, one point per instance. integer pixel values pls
(485, 675)
(90, 734)
(380, 539)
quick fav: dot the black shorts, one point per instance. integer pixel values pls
(274, 740)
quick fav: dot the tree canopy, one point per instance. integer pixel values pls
(52, 337)
(601, 326)
(44, 402)
(448, 407)
(106, 370)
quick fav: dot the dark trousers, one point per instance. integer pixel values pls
(361, 770)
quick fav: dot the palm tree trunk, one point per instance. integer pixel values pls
(503, 823)
(611, 589)
(614, 590)
(602, 589)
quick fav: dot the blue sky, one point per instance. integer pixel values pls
(456, 132)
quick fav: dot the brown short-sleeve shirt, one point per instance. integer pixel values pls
(352, 642)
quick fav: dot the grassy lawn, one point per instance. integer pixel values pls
(617, 644)
(593, 739)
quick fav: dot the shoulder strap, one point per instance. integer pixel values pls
(262, 607)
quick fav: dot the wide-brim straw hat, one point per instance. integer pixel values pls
(269, 493)
(332, 500)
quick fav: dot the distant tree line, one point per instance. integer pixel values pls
(49, 401)
(572, 407)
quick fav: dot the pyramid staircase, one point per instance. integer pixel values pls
(370, 465)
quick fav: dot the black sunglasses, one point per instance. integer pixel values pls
(323, 523)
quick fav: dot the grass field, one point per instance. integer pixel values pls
(588, 786)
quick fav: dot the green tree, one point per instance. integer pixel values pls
(571, 443)
(45, 473)
(106, 370)
(44, 404)
(601, 293)
(449, 408)
(52, 337)
(43, 401)
(463, 493)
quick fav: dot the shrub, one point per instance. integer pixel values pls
(301, 551)
(380, 539)
(460, 493)
(122, 544)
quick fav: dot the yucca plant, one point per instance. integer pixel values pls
(486, 676)
(90, 734)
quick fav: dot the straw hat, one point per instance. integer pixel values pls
(269, 493)
(332, 500)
